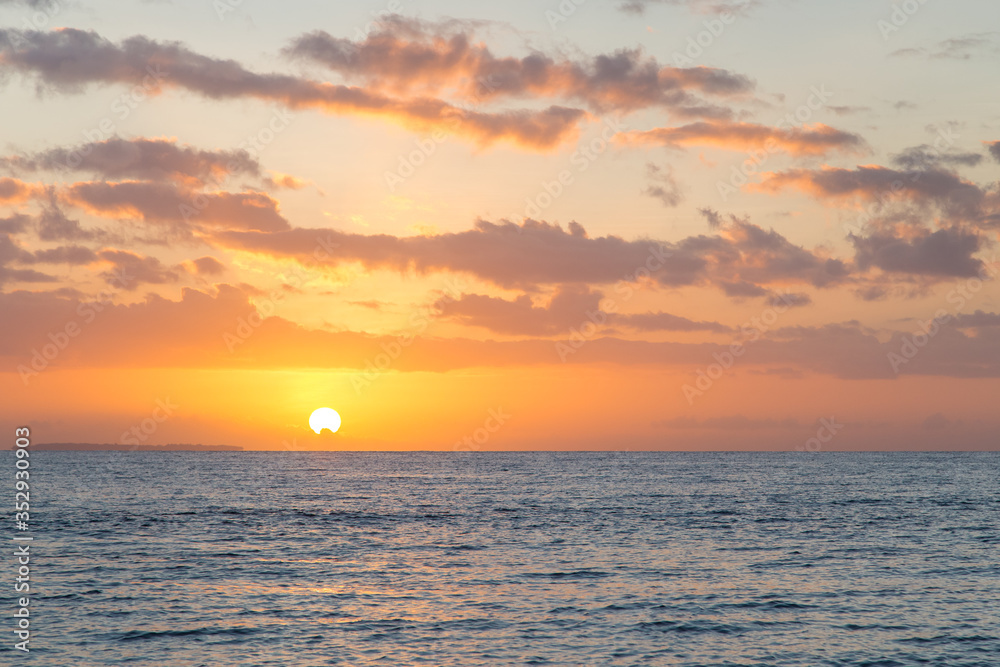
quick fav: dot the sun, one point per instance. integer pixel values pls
(322, 418)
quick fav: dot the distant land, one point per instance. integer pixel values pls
(90, 447)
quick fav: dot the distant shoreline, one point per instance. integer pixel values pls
(89, 447)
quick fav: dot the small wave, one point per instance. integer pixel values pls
(576, 574)
(134, 635)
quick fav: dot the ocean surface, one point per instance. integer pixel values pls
(218, 559)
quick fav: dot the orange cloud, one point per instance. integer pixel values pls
(411, 56)
(817, 139)
(287, 181)
(225, 330)
(14, 191)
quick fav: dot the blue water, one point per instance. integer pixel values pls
(513, 558)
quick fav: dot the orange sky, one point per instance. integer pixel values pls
(489, 229)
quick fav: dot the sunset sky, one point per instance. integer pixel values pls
(594, 224)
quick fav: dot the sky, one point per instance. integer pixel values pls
(578, 225)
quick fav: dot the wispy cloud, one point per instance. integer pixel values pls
(815, 139)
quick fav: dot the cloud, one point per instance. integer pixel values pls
(142, 159)
(956, 197)
(166, 203)
(71, 254)
(53, 225)
(817, 139)
(766, 256)
(156, 331)
(14, 191)
(977, 319)
(286, 181)
(68, 60)
(11, 252)
(712, 217)
(539, 253)
(566, 309)
(741, 289)
(956, 48)
(927, 157)
(129, 270)
(792, 300)
(570, 307)
(410, 57)
(660, 321)
(847, 110)
(192, 332)
(697, 6)
(14, 224)
(206, 266)
(994, 148)
(663, 185)
(945, 252)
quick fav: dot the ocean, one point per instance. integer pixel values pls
(500, 558)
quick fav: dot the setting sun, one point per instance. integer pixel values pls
(322, 418)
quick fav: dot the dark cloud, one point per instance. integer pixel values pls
(945, 252)
(539, 253)
(712, 217)
(846, 110)
(68, 60)
(129, 270)
(207, 266)
(926, 157)
(953, 196)
(994, 148)
(663, 185)
(873, 292)
(11, 252)
(54, 225)
(741, 289)
(14, 224)
(792, 300)
(144, 159)
(167, 203)
(976, 320)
